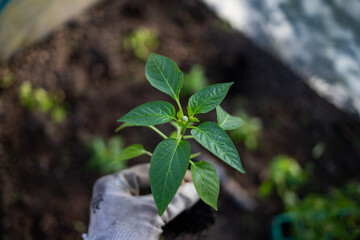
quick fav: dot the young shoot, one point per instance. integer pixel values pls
(172, 156)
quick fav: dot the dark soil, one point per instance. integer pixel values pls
(45, 184)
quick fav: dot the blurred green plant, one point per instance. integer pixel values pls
(79, 226)
(103, 154)
(194, 80)
(332, 216)
(249, 131)
(142, 41)
(43, 101)
(318, 150)
(285, 177)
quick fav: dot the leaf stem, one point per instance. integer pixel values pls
(191, 162)
(178, 133)
(194, 155)
(149, 153)
(158, 131)
(178, 129)
(188, 137)
(180, 108)
(175, 124)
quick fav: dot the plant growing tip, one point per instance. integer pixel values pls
(171, 157)
(185, 119)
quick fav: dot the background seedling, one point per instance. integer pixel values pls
(249, 131)
(332, 216)
(194, 80)
(44, 101)
(335, 215)
(142, 41)
(285, 177)
(172, 156)
(103, 154)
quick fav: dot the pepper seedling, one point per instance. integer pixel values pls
(172, 156)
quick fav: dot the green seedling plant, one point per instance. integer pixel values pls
(249, 131)
(285, 177)
(142, 41)
(194, 80)
(103, 155)
(44, 101)
(172, 156)
(335, 215)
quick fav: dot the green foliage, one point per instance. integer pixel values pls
(41, 100)
(124, 125)
(142, 41)
(130, 152)
(103, 155)
(152, 113)
(212, 137)
(226, 121)
(208, 98)
(172, 156)
(167, 169)
(164, 75)
(318, 150)
(332, 216)
(194, 80)
(59, 113)
(206, 182)
(249, 131)
(285, 176)
(315, 216)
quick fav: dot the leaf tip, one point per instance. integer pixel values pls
(160, 211)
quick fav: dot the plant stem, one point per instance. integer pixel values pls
(180, 108)
(158, 131)
(195, 155)
(149, 153)
(191, 162)
(175, 124)
(178, 133)
(188, 137)
(183, 131)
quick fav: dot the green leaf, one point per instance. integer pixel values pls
(194, 119)
(266, 188)
(152, 113)
(130, 152)
(124, 125)
(206, 182)
(167, 169)
(226, 121)
(208, 98)
(164, 75)
(179, 114)
(215, 139)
